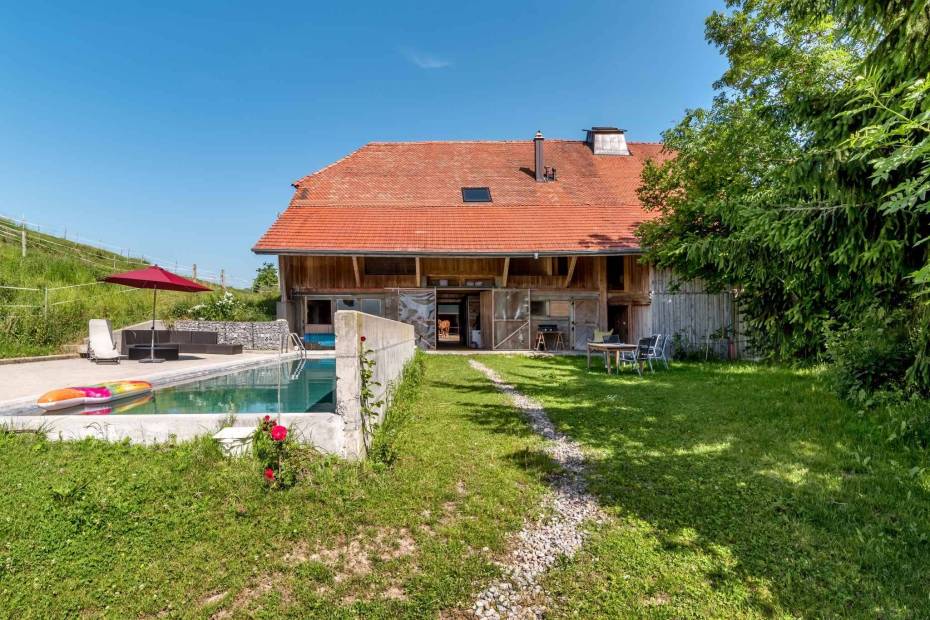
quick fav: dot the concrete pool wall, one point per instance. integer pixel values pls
(341, 433)
(392, 345)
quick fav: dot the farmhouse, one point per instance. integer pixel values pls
(483, 244)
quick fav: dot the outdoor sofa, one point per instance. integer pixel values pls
(187, 341)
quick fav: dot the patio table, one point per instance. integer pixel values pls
(608, 348)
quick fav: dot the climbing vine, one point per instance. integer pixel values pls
(368, 401)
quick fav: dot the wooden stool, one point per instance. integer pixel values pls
(559, 343)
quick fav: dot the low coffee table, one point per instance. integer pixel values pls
(162, 351)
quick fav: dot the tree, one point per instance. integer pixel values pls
(266, 278)
(805, 185)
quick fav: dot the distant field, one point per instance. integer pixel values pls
(28, 328)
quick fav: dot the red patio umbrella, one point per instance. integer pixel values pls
(157, 279)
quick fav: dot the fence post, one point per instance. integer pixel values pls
(23, 240)
(223, 279)
(195, 271)
(45, 305)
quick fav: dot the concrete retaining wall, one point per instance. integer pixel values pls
(392, 344)
(260, 336)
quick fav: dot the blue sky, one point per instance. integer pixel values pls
(175, 131)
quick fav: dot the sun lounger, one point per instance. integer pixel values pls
(100, 346)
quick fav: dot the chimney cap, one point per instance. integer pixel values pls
(597, 129)
(538, 135)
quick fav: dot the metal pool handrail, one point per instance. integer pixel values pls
(295, 341)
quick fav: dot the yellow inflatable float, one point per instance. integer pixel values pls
(92, 395)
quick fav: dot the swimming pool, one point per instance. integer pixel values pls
(293, 386)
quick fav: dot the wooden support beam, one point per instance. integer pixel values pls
(282, 278)
(506, 272)
(419, 273)
(358, 275)
(601, 271)
(571, 271)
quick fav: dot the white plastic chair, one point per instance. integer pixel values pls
(100, 347)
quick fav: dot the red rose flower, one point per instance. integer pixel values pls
(362, 338)
(269, 474)
(278, 433)
(267, 418)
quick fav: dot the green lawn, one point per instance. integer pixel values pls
(736, 491)
(732, 491)
(95, 529)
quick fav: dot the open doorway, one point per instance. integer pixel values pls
(450, 323)
(618, 319)
(458, 320)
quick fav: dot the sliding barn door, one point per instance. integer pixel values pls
(417, 306)
(584, 322)
(511, 319)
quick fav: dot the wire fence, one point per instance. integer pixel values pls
(100, 259)
(32, 234)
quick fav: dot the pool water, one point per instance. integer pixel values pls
(295, 386)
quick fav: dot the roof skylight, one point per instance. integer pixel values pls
(476, 194)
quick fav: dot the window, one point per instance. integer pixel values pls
(560, 309)
(390, 266)
(371, 306)
(476, 194)
(319, 312)
(345, 304)
(551, 309)
(615, 272)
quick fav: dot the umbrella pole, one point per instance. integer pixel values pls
(152, 359)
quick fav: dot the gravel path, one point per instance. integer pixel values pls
(538, 545)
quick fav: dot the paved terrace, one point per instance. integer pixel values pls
(22, 384)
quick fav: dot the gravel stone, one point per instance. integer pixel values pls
(540, 544)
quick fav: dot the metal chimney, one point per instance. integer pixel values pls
(540, 167)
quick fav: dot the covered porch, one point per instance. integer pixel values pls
(486, 303)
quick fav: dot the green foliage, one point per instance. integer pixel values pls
(870, 355)
(387, 435)
(273, 448)
(804, 186)
(369, 404)
(227, 306)
(25, 326)
(266, 278)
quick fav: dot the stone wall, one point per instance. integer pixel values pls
(261, 336)
(392, 344)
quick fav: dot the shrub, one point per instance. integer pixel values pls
(227, 307)
(871, 356)
(272, 446)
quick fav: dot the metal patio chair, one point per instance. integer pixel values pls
(640, 356)
(659, 349)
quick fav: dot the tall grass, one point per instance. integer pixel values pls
(30, 326)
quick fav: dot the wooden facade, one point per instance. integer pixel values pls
(501, 302)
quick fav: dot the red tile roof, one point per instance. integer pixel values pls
(406, 197)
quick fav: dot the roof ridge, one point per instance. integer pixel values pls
(479, 141)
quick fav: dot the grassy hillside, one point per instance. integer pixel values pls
(30, 327)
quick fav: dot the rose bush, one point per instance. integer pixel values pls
(271, 445)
